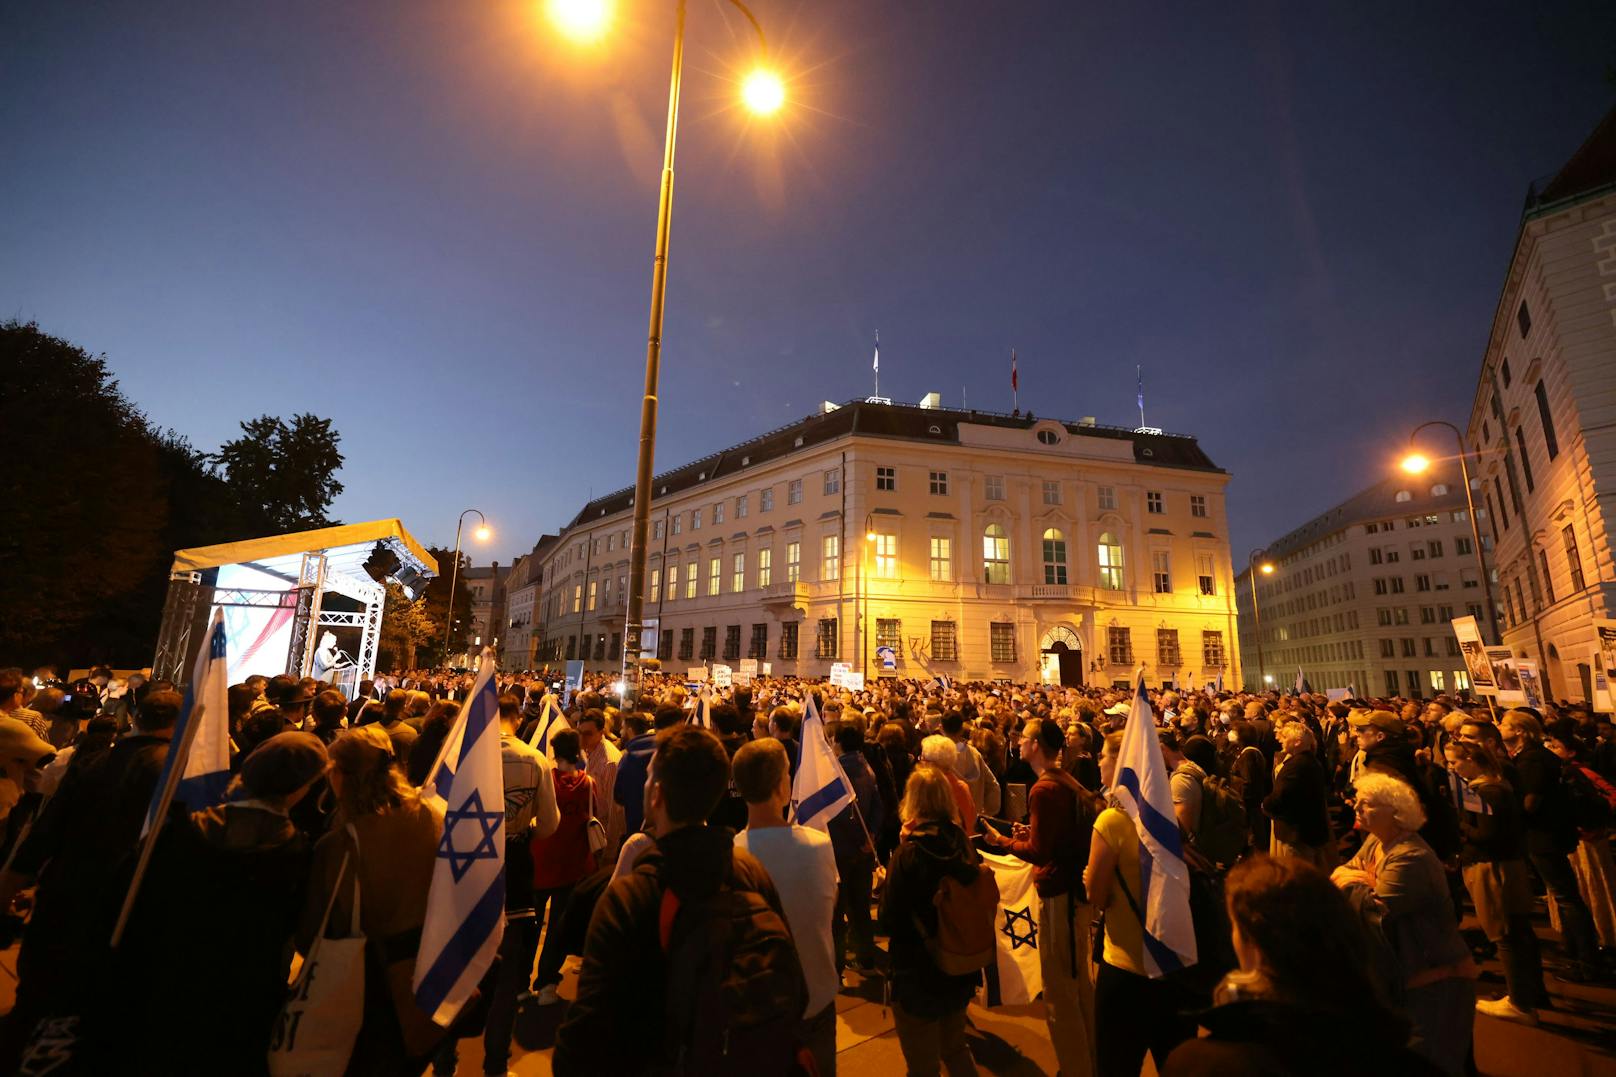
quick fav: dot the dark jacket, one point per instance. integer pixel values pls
(926, 854)
(1268, 1038)
(1298, 804)
(629, 789)
(616, 1025)
(848, 837)
(1550, 830)
(1495, 834)
(1441, 829)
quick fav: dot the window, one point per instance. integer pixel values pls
(1002, 642)
(766, 500)
(1375, 556)
(1110, 562)
(1408, 647)
(1119, 646)
(1161, 576)
(1427, 615)
(714, 575)
(1197, 505)
(993, 487)
(600, 647)
(1526, 461)
(1051, 492)
(656, 529)
(1205, 576)
(690, 579)
(737, 573)
(944, 641)
(826, 644)
(889, 633)
(709, 642)
(830, 562)
(788, 640)
(942, 559)
(1462, 546)
(1573, 559)
(1153, 502)
(1393, 555)
(1388, 649)
(1403, 495)
(1416, 552)
(615, 650)
(939, 482)
(1212, 650)
(606, 594)
(759, 647)
(793, 562)
(572, 647)
(695, 519)
(593, 584)
(995, 555)
(740, 507)
(886, 556)
(1048, 437)
(1550, 442)
(664, 646)
(833, 480)
(687, 644)
(1054, 557)
(732, 642)
(1503, 365)
(656, 582)
(1434, 547)
(1548, 580)
(1108, 497)
(794, 492)
(1167, 648)
(1397, 585)
(1422, 582)
(1400, 615)
(1383, 616)
(886, 478)
(765, 565)
(1523, 318)
(678, 524)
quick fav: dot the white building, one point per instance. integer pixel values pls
(1543, 424)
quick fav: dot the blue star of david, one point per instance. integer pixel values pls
(460, 860)
(1030, 935)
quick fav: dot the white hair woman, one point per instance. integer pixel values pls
(1298, 804)
(942, 753)
(1398, 870)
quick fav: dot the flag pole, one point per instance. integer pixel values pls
(1141, 371)
(171, 782)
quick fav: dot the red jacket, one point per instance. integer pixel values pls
(564, 857)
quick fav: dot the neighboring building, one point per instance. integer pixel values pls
(523, 589)
(487, 587)
(974, 544)
(1361, 595)
(1543, 424)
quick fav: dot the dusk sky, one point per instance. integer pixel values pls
(432, 222)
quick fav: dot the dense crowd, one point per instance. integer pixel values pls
(1333, 847)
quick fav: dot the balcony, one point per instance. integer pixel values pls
(1046, 592)
(794, 595)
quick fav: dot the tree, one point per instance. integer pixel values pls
(437, 602)
(406, 627)
(283, 475)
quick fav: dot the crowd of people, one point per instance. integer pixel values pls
(1334, 848)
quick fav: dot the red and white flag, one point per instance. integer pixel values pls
(1014, 387)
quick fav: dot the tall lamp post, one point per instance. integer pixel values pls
(864, 593)
(1267, 569)
(763, 93)
(481, 534)
(1416, 463)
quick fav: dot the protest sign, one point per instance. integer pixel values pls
(1475, 656)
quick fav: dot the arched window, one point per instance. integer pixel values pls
(1439, 490)
(995, 555)
(1054, 556)
(1110, 562)
(1403, 495)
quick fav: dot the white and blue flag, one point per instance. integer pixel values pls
(1162, 890)
(551, 721)
(1302, 686)
(465, 907)
(821, 789)
(202, 734)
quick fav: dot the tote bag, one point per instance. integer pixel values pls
(315, 1032)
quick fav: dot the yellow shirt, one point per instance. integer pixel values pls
(1124, 937)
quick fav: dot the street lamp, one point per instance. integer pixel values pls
(864, 592)
(1415, 462)
(482, 534)
(1267, 569)
(763, 93)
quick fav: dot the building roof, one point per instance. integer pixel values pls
(906, 421)
(1590, 170)
(1377, 502)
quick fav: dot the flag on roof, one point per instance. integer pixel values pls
(821, 789)
(1014, 383)
(877, 366)
(465, 905)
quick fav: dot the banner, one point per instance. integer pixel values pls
(887, 657)
(838, 670)
(723, 676)
(1020, 979)
(1531, 683)
(1475, 656)
(748, 671)
(853, 682)
(1508, 682)
(1604, 664)
(575, 678)
(698, 674)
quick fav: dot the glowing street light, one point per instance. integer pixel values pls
(763, 92)
(1415, 463)
(482, 534)
(1267, 569)
(584, 21)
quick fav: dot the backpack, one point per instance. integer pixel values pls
(966, 914)
(736, 992)
(1223, 833)
(1589, 806)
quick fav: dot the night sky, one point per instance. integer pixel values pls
(433, 223)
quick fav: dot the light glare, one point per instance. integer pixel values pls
(483, 533)
(1267, 568)
(581, 20)
(1416, 463)
(763, 92)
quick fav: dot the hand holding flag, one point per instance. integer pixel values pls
(821, 789)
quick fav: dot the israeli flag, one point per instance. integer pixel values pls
(551, 721)
(465, 907)
(821, 789)
(1163, 887)
(202, 734)
(1301, 682)
(704, 708)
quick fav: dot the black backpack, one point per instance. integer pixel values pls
(736, 992)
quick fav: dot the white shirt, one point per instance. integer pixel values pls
(800, 861)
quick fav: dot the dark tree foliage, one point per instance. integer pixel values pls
(283, 474)
(437, 602)
(96, 501)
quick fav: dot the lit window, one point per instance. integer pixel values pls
(830, 561)
(672, 592)
(995, 555)
(765, 565)
(714, 575)
(793, 562)
(737, 573)
(1054, 556)
(886, 556)
(1110, 562)
(592, 585)
(942, 558)
(1160, 572)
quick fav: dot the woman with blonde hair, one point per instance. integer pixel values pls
(928, 1004)
(389, 838)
